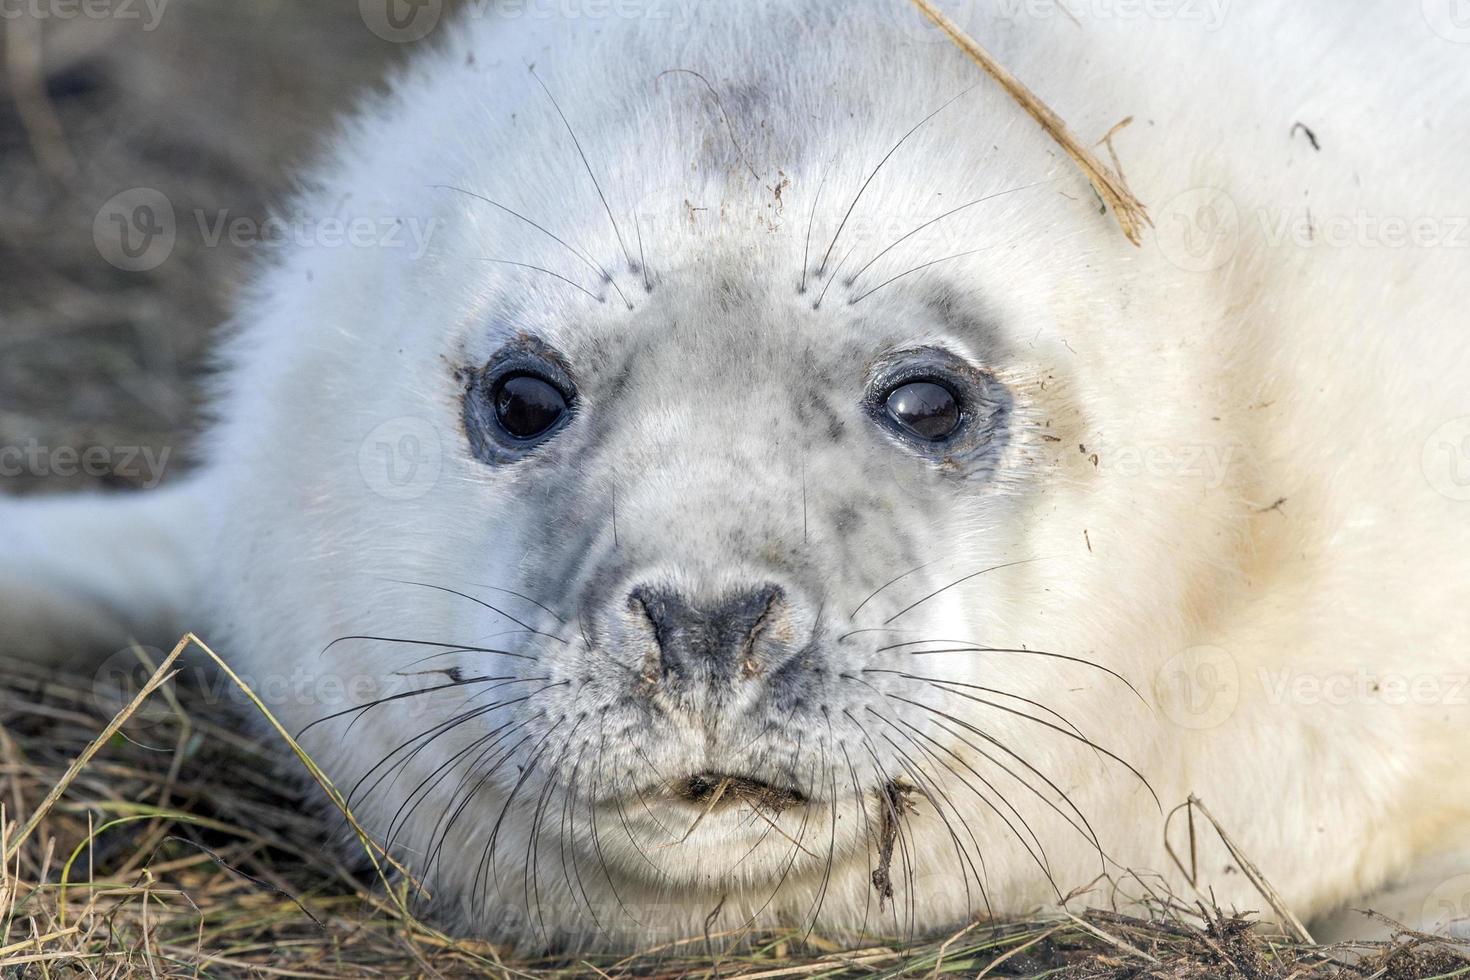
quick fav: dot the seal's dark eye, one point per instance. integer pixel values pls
(527, 406)
(924, 409)
(517, 402)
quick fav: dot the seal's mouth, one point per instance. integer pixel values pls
(714, 790)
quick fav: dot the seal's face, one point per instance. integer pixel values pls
(729, 517)
(737, 556)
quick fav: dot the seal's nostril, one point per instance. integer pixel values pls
(716, 637)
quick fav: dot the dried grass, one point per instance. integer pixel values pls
(163, 845)
(1110, 185)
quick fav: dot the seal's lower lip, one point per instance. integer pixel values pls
(714, 790)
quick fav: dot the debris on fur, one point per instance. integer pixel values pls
(893, 805)
(711, 789)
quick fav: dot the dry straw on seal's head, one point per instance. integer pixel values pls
(1131, 213)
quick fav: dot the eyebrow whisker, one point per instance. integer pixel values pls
(894, 149)
(587, 259)
(903, 238)
(917, 268)
(578, 144)
(555, 275)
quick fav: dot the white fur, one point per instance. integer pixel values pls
(1310, 373)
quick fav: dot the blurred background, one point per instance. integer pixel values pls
(104, 105)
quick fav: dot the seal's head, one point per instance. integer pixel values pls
(705, 521)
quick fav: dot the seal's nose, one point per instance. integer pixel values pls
(739, 635)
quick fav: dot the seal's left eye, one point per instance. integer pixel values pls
(527, 406)
(924, 409)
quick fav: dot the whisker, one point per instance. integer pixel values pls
(982, 873)
(1088, 833)
(1039, 854)
(917, 268)
(833, 278)
(921, 777)
(857, 197)
(484, 744)
(960, 581)
(568, 830)
(403, 695)
(852, 280)
(555, 275)
(939, 682)
(816, 911)
(522, 596)
(642, 262)
(423, 739)
(1059, 730)
(487, 866)
(578, 143)
(806, 251)
(1018, 651)
(862, 799)
(531, 880)
(796, 850)
(896, 821)
(482, 603)
(875, 593)
(592, 798)
(729, 127)
(583, 256)
(633, 838)
(448, 647)
(447, 819)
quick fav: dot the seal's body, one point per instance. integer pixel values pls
(780, 494)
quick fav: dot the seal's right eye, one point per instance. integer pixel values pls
(926, 409)
(516, 403)
(527, 406)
